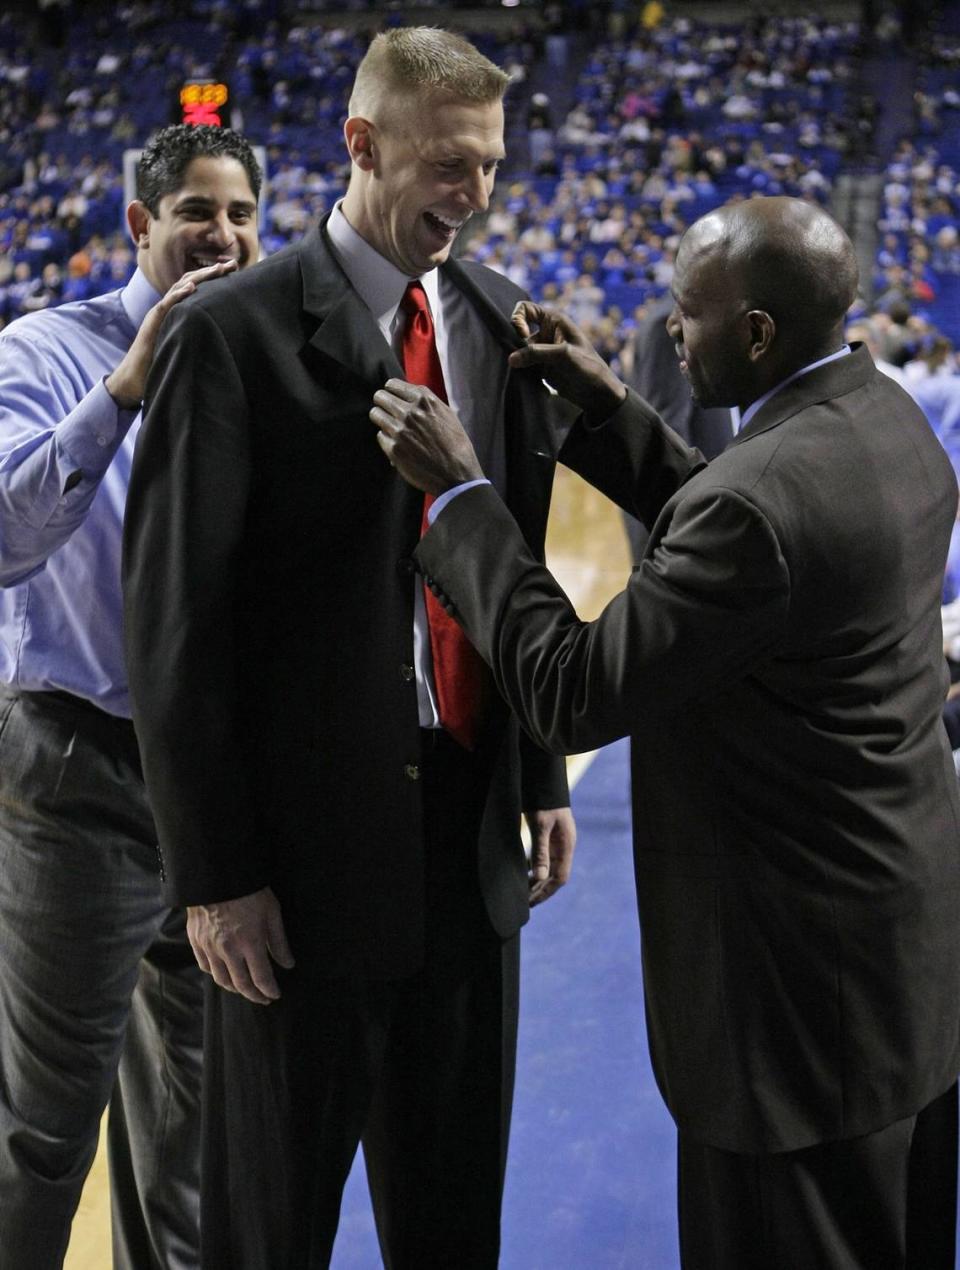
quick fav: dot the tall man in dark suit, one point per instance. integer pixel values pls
(799, 883)
(346, 861)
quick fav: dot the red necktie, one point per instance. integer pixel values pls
(457, 666)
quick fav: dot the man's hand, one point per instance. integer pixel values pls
(126, 385)
(235, 940)
(422, 437)
(553, 837)
(559, 351)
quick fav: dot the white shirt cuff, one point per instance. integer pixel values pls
(440, 502)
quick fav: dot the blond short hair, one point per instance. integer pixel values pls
(421, 59)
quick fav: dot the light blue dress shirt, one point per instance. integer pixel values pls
(65, 455)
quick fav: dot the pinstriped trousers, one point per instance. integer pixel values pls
(96, 979)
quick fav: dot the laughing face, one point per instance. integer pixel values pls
(213, 216)
(422, 175)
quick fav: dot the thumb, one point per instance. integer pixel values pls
(535, 355)
(540, 856)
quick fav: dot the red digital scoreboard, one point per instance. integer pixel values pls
(201, 102)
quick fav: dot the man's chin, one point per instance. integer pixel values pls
(441, 254)
(701, 398)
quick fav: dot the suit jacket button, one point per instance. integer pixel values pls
(412, 772)
(407, 673)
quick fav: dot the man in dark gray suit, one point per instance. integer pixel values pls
(799, 881)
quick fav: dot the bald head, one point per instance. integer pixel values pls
(761, 289)
(785, 257)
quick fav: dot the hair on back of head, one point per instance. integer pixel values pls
(422, 59)
(166, 157)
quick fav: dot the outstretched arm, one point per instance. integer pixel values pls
(699, 614)
(58, 438)
(425, 441)
(639, 463)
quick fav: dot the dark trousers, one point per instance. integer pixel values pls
(96, 975)
(420, 1069)
(886, 1201)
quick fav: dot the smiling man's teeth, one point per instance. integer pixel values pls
(447, 223)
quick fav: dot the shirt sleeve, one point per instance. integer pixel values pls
(440, 502)
(58, 437)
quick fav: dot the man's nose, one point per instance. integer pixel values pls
(477, 189)
(220, 231)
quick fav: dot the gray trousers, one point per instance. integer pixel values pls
(100, 998)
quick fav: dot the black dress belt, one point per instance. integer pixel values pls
(113, 731)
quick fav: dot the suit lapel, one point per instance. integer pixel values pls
(353, 361)
(528, 417)
(500, 326)
(347, 333)
(348, 337)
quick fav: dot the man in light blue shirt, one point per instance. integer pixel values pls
(96, 975)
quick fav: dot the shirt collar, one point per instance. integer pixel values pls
(752, 409)
(138, 297)
(379, 283)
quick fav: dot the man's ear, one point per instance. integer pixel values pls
(762, 330)
(359, 134)
(138, 222)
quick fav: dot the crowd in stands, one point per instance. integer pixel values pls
(667, 118)
(915, 326)
(918, 259)
(667, 122)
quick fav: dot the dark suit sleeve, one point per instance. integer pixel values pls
(535, 420)
(544, 778)
(634, 458)
(699, 613)
(184, 520)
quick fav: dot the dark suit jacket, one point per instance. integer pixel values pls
(777, 659)
(269, 615)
